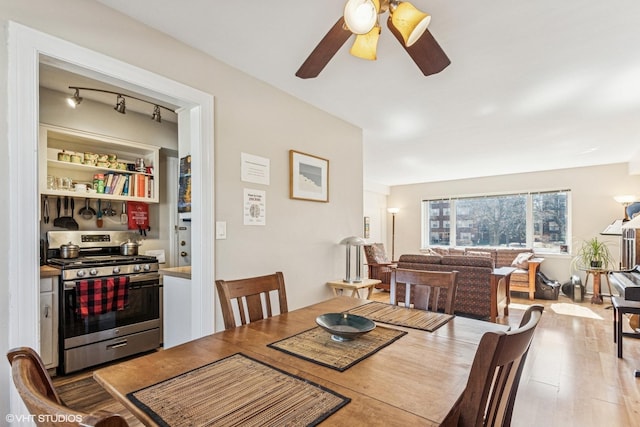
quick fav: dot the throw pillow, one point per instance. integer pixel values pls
(429, 251)
(522, 260)
(478, 253)
(440, 251)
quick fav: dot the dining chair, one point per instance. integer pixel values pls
(41, 398)
(492, 386)
(422, 288)
(252, 296)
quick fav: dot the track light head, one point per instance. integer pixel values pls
(156, 114)
(120, 105)
(75, 99)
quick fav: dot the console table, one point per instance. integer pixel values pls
(340, 285)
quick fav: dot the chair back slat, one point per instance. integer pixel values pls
(422, 289)
(491, 390)
(252, 296)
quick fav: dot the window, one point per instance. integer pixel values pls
(537, 220)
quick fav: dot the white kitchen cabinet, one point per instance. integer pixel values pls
(176, 308)
(49, 321)
(54, 140)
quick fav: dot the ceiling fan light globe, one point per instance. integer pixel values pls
(410, 22)
(365, 45)
(360, 16)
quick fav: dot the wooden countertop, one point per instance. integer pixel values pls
(182, 272)
(47, 271)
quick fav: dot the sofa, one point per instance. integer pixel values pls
(473, 297)
(479, 289)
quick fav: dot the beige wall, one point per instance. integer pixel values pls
(592, 204)
(300, 237)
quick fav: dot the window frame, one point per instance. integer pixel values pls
(426, 215)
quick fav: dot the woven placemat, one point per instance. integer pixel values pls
(316, 345)
(402, 316)
(237, 391)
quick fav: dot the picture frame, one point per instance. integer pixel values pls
(308, 177)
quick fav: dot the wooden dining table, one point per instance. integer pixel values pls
(416, 380)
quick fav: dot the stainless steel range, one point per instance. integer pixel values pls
(132, 325)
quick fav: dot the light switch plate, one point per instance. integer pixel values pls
(221, 230)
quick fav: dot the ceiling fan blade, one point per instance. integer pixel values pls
(426, 52)
(324, 51)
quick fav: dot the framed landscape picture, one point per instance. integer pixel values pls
(308, 177)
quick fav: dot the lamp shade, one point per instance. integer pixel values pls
(365, 45)
(625, 199)
(353, 241)
(393, 211)
(410, 22)
(361, 16)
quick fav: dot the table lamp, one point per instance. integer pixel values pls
(350, 242)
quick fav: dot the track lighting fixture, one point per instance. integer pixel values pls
(120, 107)
(156, 114)
(75, 99)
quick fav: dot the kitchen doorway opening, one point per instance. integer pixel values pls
(27, 47)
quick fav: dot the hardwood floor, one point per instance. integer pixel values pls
(572, 376)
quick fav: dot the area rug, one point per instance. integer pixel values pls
(316, 345)
(401, 316)
(237, 391)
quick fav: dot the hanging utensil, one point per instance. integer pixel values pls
(99, 215)
(87, 211)
(45, 210)
(124, 218)
(109, 211)
(59, 221)
(68, 222)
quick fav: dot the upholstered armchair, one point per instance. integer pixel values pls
(379, 265)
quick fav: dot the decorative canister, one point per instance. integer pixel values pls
(63, 156)
(112, 158)
(102, 164)
(103, 158)
(76, 158)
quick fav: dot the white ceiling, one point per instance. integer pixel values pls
(532, 85)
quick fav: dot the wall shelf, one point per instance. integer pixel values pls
(54, 139)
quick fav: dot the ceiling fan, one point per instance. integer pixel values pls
(407, 24)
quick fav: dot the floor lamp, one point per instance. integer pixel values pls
(393, 212)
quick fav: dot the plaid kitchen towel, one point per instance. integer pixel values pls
(98, 296)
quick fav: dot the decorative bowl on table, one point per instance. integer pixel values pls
(345, 326)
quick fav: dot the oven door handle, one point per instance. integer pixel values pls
(145, 277)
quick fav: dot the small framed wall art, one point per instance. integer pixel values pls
(308, 177)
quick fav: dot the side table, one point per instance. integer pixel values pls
(500, 291)
(339, 285)
(620, 307)
(596, 273)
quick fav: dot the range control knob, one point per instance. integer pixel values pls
(146, 267)
(116, 270)
(136, 268)
(93, 272)
(183, 253)
(80, 273)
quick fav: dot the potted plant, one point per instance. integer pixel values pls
(593, 254)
